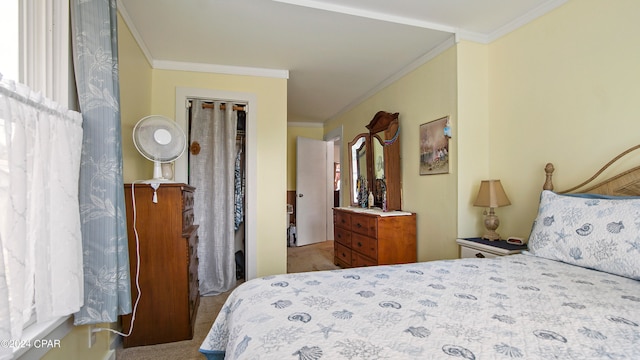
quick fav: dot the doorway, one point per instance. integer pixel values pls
(216, 169)
(333, 195)
(183, 95)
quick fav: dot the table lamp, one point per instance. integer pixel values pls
(491, 195)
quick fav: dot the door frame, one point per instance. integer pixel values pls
(183, 95)
(334, 135)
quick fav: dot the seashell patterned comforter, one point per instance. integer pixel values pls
(510, 307)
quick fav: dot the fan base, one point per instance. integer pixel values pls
(158, 181)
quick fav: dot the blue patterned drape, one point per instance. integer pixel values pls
(107, 291)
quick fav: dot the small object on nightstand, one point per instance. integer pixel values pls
(516, 240)
(482, 248)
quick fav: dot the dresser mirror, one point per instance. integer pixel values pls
(375, 160)
(358, 164)
(377, 147)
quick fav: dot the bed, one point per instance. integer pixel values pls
(575, 294)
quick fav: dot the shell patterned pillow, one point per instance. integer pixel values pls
(591, 231)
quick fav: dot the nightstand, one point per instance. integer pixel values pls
(481, 248)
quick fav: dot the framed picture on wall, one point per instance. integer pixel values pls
(434, 147)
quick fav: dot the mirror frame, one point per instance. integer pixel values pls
(352, 185)
(383, 127)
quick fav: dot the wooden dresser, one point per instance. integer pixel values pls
(168, 264)
(367, 238)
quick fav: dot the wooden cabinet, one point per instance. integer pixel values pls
(168, 243)
(373, 237)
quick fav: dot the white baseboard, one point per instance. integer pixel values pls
(111, 355)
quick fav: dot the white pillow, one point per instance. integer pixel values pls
(595, 232)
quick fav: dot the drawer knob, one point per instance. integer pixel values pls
(479, 255)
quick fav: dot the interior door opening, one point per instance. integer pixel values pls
(183, 95)
(240, 115)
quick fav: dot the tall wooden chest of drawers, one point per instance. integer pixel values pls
(168, 243)
(373, 237)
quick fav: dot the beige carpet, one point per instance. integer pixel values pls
(313, 257)
(299, 259)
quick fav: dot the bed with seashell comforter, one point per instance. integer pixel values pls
(575, 294)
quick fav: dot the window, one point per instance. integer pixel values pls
(35, 46)
(35, 51)
(9, 60)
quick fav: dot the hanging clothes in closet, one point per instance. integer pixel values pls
(239, 171)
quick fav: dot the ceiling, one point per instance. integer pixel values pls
(335, 53)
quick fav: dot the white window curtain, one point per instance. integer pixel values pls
(40, 145)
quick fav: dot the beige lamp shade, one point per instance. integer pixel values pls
(491, 195)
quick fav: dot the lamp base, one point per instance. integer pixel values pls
(491, 236)
(491, 222)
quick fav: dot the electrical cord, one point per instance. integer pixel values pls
(135, 231)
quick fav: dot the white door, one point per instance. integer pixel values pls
(311, 192)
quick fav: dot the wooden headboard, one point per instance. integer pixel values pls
(626, 183)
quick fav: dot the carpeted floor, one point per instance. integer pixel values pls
(299, 259)
(312, 257)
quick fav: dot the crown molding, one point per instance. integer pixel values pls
(525, 19)
(197, 67)
(220, 69)
(451, 41)
(321, 5)
(305, 124)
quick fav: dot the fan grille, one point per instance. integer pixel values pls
(159, 138)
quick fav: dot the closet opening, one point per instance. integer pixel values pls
(217, 168)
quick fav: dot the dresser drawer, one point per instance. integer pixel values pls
(187, 219)
(466, 252)
(342, 219)
(364, 245)
(194, 283)
(365, 225)
(187, 200)
(360, 260)
(343, 236)
(342, 253)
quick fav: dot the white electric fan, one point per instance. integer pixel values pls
(160, 140)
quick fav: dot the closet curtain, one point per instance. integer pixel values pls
(102, 210)
(212, 173)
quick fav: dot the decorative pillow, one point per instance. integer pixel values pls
(592, 232)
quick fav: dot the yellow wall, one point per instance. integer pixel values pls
(271, 108)
(312, 132)
(135, 101)
(76, 346)
(563, 89)
(473, 133)
(426, 94)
